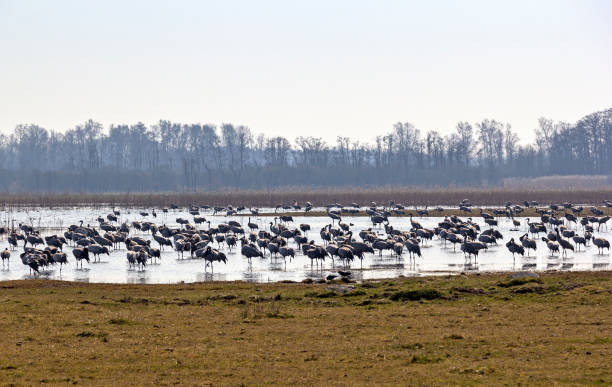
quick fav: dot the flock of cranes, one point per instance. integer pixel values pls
(564, 227)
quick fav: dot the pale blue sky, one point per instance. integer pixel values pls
(322, 68)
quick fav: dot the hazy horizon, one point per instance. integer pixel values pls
(319, 68)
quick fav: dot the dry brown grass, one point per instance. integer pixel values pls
(527, 212)
(345, 196)
(479, 329)
(566, 182)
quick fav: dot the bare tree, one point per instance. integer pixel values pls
(171, 155)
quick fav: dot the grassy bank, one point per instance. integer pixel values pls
(477, 329)
(361, 196)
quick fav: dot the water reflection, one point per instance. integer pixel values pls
(250, 276)
(469, 266)
(277, 265)
(314, 274)
(206, 277)
(136, 278)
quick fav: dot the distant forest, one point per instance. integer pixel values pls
(171, 156)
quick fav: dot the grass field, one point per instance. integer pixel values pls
(476, 329)
(319, 197)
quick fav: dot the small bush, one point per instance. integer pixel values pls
(416, 295)
(454, 336)
(368, 285)
(421, 359)
(529, 289)
(518, 282)
(312, 358)
(355, 293)
(119, 321)
(101, 335)
(326, 295)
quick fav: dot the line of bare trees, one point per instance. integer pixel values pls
(174, 156)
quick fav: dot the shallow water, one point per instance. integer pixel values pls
(437, 258)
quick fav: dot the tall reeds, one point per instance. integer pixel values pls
(318, 197)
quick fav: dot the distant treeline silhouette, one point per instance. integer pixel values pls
(172, 156)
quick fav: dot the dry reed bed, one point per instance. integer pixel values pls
(527, 213)
(406, 196)
(566, 182)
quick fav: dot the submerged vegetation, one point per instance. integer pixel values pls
(477, 329)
